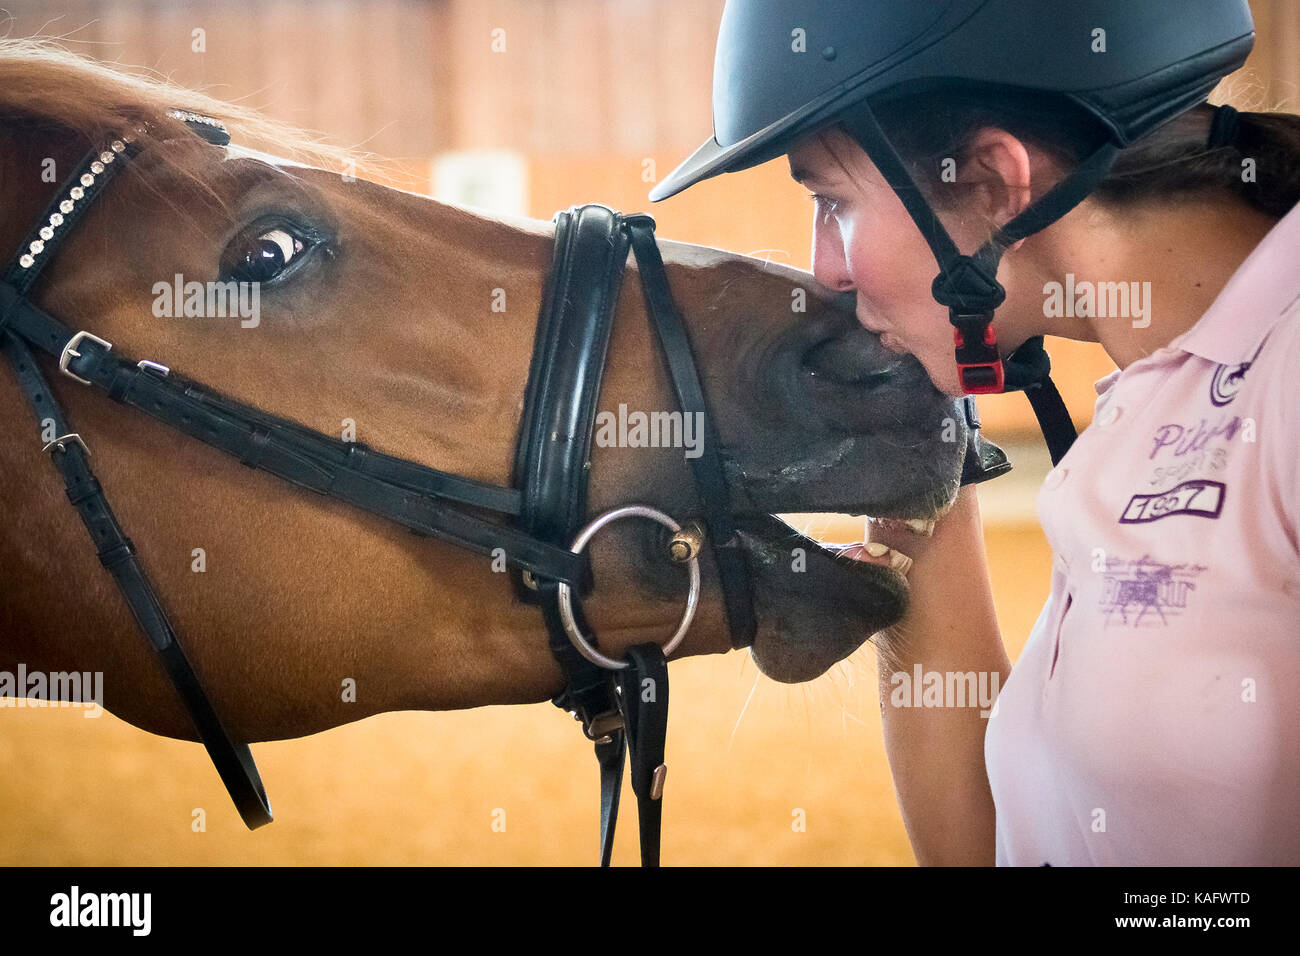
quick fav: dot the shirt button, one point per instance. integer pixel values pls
(1109, 415)
(1056, 477)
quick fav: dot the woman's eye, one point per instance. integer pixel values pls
(262, 258)
(825, 206)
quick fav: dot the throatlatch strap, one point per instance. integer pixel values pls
(234, 761)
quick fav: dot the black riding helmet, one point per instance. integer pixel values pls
(788, 68)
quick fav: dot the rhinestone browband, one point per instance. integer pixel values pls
(90, 181)
(96, 171)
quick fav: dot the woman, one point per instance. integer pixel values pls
(1151, 718)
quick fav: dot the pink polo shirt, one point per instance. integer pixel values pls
(1153, 717)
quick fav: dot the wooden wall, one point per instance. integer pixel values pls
(586, 91)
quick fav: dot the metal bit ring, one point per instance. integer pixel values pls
(565, 595)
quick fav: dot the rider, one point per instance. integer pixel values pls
(1151, 717)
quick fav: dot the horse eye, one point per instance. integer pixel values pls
(261, 258)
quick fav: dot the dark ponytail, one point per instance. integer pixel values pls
(1261, 163)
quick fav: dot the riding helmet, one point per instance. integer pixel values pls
(785, 69)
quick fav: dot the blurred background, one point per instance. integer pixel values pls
(523, 107)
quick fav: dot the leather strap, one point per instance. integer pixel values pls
(553, 457)
(567, 368)
(643, 699)
(610, 754)
(234, 761)
(710, 480)
(553, 460)
(552, 465)
(296, 454)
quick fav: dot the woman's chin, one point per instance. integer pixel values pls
(944, 377)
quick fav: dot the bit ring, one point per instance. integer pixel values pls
(565, 594)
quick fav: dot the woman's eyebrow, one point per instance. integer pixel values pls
(803, 175)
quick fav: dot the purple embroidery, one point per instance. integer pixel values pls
(1185, 440)
(1145, 585)
(1201, 498)
(1228, 380)
(1227, 383)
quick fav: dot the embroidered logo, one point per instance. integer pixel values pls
(1201, 498)
(1227, 383)
(1146, 593)
(1228, 379)
(1183, 440)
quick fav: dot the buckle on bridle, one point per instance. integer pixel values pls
(70, 352)
(59, 444)
(601, 726)
(979, 364)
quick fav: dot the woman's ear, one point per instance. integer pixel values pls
(999, 167)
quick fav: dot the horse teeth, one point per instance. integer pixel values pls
(920, 526)
(877, 549)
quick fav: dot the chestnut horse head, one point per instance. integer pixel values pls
(407, 324)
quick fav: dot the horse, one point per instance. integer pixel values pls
(408, 324)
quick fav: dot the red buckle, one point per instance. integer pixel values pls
(990, 337)
(983, 378)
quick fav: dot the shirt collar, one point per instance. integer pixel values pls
(1104, 385)
(1265, 288)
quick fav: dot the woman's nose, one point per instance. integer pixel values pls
(829, 264)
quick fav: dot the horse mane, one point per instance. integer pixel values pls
(44, 86)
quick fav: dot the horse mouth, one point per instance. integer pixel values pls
(818, 600)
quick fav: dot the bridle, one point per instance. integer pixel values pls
(621, 704)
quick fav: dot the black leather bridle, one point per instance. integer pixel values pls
(620, 709)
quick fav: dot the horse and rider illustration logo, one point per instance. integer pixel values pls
(1146, 592)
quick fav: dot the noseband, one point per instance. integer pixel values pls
(622, 704)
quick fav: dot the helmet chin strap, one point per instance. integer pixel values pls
(969, 286)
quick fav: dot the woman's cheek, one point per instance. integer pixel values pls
(896, 286)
